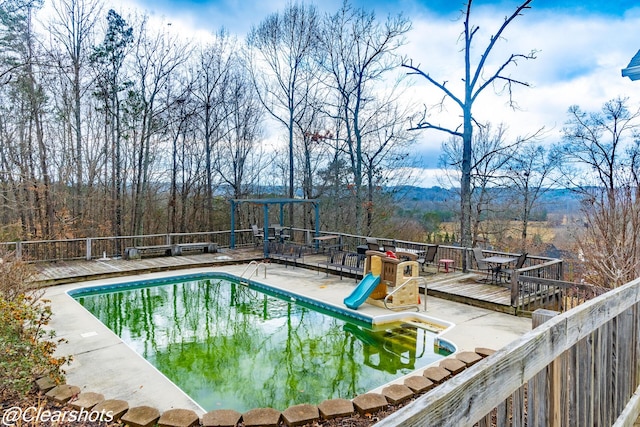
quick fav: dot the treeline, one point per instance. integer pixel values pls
(114, 125)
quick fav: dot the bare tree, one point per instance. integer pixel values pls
(529, 174)
(283, 76)
(490, 155)
(476, 79)
(72, 26)
(310, 153)
(238, 158)
(157, 55)
(600, 160)
(385, 153)
(357, 52)
(108, 59)
(214, 65)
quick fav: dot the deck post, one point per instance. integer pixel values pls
(265, 230)
(88, 249)
(554, 380)
(317, 212)
(232, 243)
(515, 290)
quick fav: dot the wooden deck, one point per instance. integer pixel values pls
(454, 286)
(77, 271)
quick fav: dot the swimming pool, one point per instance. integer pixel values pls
(235, 347)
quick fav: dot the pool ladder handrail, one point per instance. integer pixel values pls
(254, 271)
(402, 307)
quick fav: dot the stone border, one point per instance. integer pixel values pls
(298, 415)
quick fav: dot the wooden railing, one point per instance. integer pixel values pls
(579, 368)
(529, 293)
(538, 284)
(97, 247)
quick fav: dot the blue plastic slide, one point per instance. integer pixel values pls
(362, 291)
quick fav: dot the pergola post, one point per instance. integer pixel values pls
(282, 214)
(266, 203)
(232, 244)
(317, 211)
(265, 225)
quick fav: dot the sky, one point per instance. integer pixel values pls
(581, 45)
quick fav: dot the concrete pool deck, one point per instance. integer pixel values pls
(102, 363)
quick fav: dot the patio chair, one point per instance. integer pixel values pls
(428, 257)
(372, 244)
(258, 235)
(482, 265)
(389, 247)
(508, 272)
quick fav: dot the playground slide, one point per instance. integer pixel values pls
(362, 291)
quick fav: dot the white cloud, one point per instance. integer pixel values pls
(579, 62)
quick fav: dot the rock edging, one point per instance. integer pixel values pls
(297, 415)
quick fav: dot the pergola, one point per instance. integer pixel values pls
(266, 203)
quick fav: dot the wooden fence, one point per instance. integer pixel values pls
(579, 368)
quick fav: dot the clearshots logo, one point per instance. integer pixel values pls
(35, 415)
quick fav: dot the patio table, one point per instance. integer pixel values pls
(325, 241)
(496, 262)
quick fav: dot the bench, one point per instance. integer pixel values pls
(204, 247)
(137, 252)
(286, 252)
(342, 261)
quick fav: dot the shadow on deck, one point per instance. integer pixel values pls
(456, 286)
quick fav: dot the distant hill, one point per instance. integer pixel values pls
(555, 200)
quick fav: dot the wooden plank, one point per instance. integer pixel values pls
(623, 386)
(537, 402)
(584, 361)
(502, 414)
(601, 374)
(631, 412)
(636, 351)
(518, 416)
(568, 391)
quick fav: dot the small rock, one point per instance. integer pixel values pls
(396, 393)
(469, 358)
(300, 414)
(436, 374)
(369, 403)
(453, 365)
(113, 407)
(86, 400)
(484, 352)
(45, 384)
(221, 418)
(264, 417)
(334, 408)
(419, 383)
(178, 418)
(63, 393)
(141, 416)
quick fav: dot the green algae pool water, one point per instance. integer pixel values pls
(232, 347)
